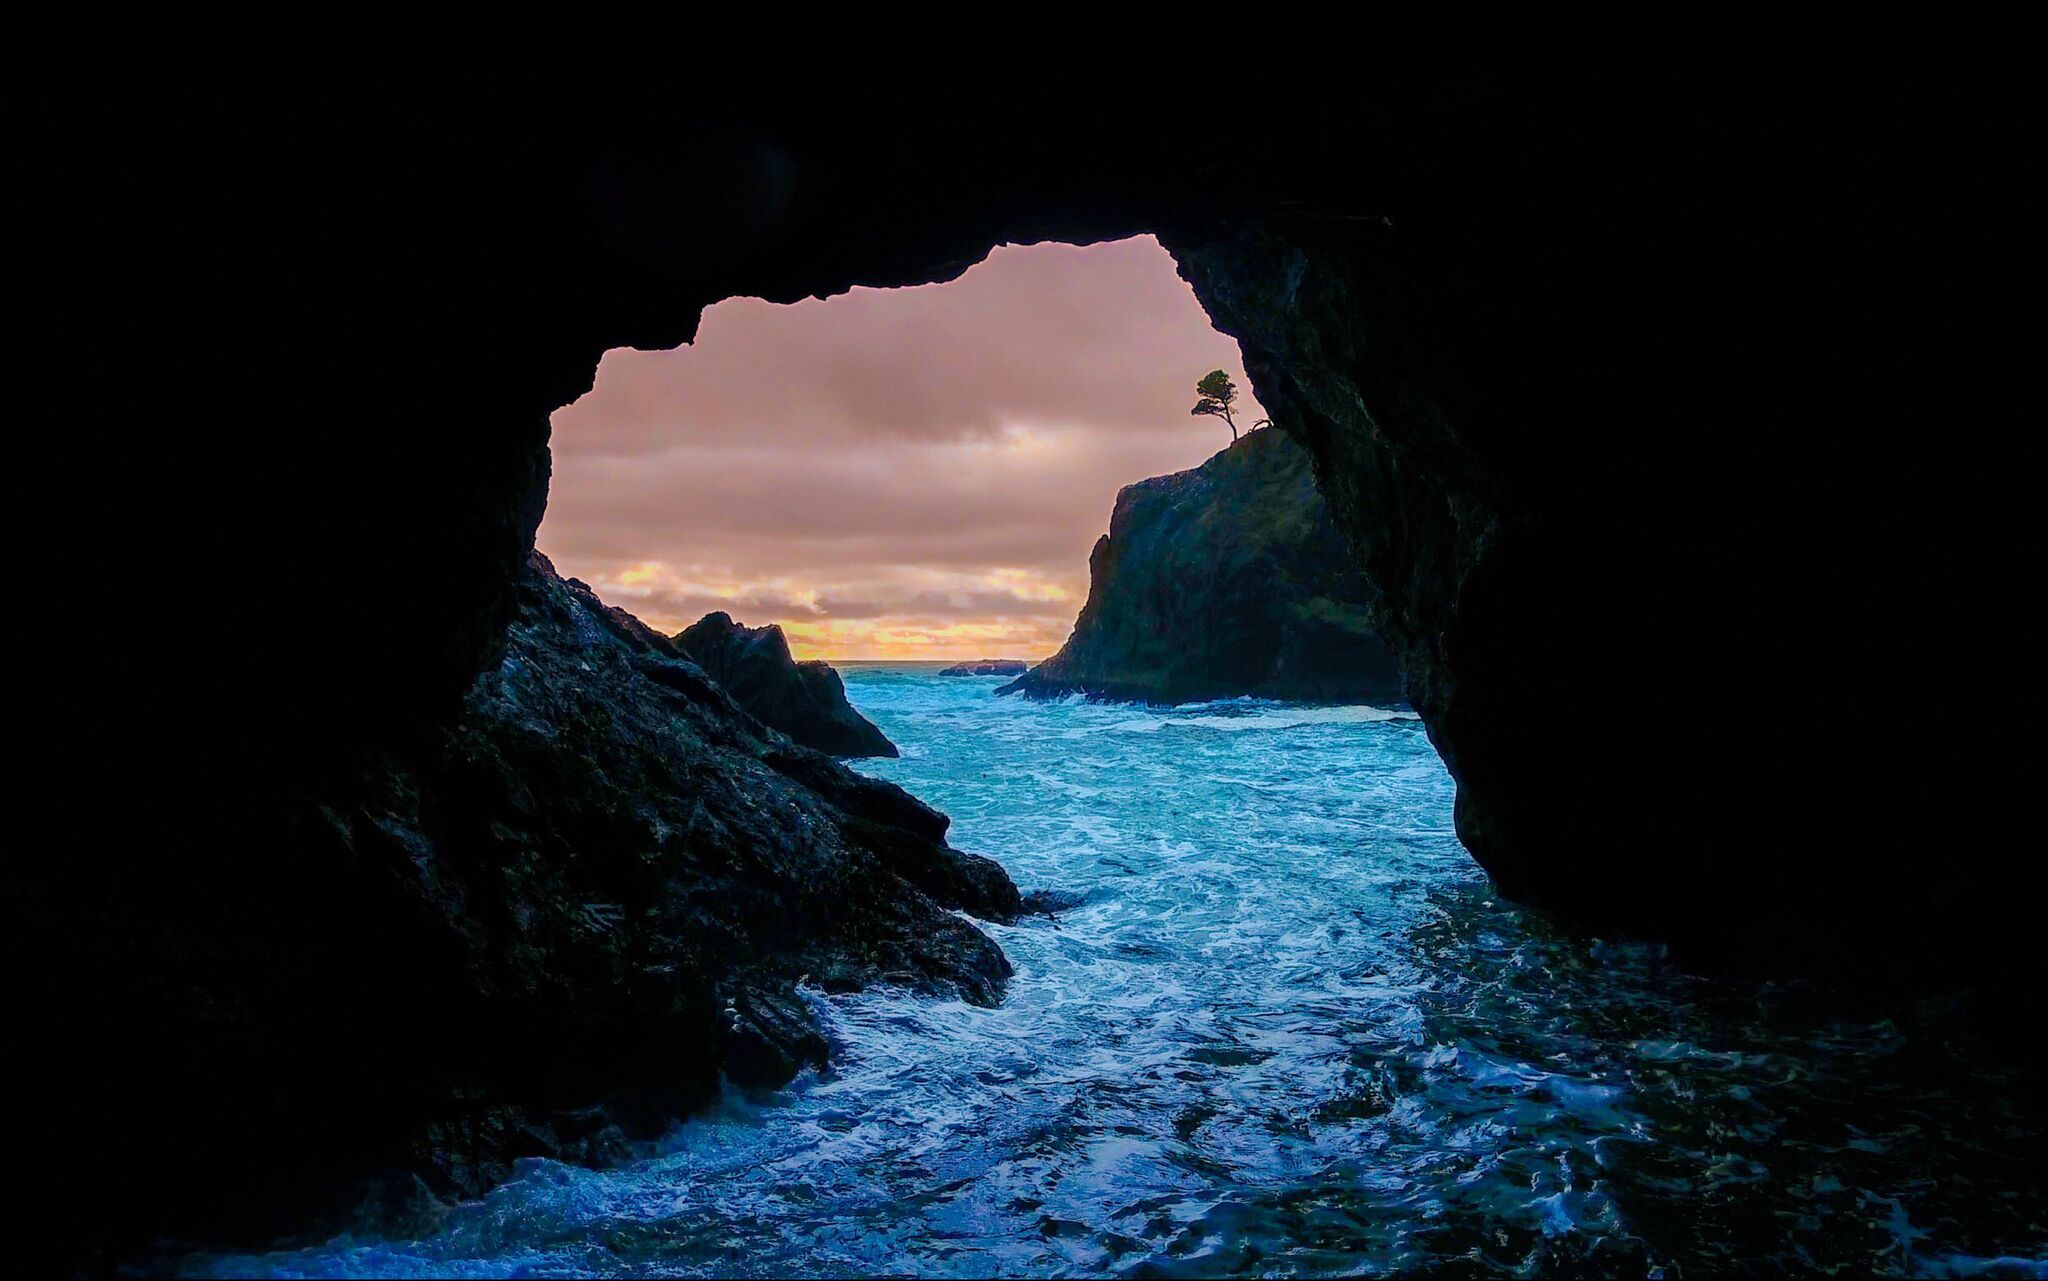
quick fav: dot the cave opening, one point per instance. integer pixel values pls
(911, 473)
(1511, 360)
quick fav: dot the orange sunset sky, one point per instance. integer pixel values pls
(890, 473)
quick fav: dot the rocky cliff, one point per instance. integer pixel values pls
(1223, 581)
(544, 930)
(806, 701)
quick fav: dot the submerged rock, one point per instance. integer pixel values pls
(543, 931)
(1223, 581)
(988, 667)
(806, 700)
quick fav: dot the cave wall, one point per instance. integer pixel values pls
(1590, 376)
(1676, 421)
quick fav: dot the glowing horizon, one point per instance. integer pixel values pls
(890, 474)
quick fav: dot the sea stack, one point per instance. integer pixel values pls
(806, 700)
(1224, 581)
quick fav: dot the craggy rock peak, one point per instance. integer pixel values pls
(987, 667)
(806, 701)
(1222, 581)
(547, 929)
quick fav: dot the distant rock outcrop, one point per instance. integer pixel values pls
(1223, 581)
(988, 667)
(804, 700)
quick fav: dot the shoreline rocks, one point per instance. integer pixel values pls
(546, 930)
(988, 667)
(805, 700)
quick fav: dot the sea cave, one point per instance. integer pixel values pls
(1581, 895)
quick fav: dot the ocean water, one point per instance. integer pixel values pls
(1284, 1029)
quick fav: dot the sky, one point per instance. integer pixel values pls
(890, 473)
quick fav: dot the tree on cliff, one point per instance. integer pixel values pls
(1216, 392)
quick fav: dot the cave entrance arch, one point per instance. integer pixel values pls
(1466, 310)
(1541, 338)
(893, 474)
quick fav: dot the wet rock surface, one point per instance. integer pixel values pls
(545, 932)
(1223, 581)
(806, 700)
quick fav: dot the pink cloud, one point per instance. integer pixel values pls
(933, 462)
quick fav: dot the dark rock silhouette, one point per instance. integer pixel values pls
(1225, 580)
(806, 700)
(988, 667)
(544, 930)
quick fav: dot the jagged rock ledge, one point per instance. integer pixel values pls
(546, 931)
(1219, 582)
(806, 700)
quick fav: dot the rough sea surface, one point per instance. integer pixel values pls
(1284, 1029)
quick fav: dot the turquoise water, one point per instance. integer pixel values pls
(1285, 1029)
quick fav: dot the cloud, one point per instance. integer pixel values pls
(890, 472)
